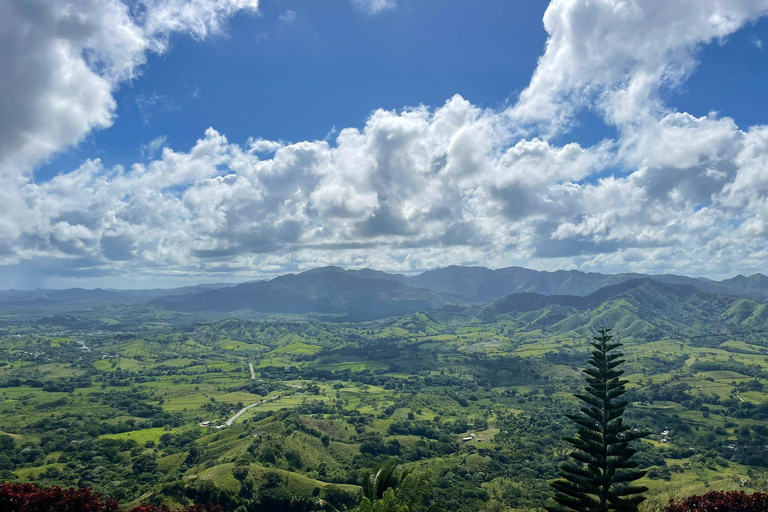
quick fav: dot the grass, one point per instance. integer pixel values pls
(27, 474)
(695, 479)
(17, 437)
(228, 344)
(176, 363)
(141, 436)
(299, 349)
(124, 363)
(239, 396)
(58, 370)
(354, 366)
(295, 484)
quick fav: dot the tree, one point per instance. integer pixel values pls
(376, 482)
(600, 477)
(385, 491)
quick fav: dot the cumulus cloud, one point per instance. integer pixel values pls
(151, 148)
(415, 180)
(410, 190)
(62, 62)
(426, 187)
(199, 18)
(615, 55)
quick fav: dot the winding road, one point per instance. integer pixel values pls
(242, 411)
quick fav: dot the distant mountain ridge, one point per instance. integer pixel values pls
(643, 292)
(95, 296)
(483, 285)
(637, 310)
(647, 309)
(351, 294)
(369, 294)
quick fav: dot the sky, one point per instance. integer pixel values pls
(156, 143)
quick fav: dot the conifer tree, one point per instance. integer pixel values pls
(600, 477)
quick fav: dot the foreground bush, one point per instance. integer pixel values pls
(718, 501)
(28, 498)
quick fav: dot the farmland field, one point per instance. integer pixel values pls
(328, 401)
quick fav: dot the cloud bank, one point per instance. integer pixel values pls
(413, 189)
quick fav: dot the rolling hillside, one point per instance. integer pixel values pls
(640, 308)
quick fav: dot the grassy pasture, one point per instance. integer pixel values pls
(295, 484)
(298, 348)
(228, 344)
(141, 436)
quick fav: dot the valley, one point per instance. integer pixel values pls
(282, 410)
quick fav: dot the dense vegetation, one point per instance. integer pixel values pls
(471, 402)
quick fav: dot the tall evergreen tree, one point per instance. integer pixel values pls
(600, 477)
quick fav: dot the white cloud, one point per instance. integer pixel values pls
(375, 6)
(146, 105)
(62, 62)
(412, 189)
(615, 55)
(747, 194)
(151, 148)
(426, 187)
(198, 18)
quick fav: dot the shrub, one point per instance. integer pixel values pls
(719, 501)
(28, 498)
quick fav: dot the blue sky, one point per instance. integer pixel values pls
(608, 135)
(329, 67)
(731, 78)
(333, 64)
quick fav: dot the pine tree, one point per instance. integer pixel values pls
(600, 477)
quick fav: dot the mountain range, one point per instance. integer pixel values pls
(483, 285)
(369, 294)
(326, 291)
(639, 307)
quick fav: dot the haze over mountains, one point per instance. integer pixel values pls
(369, 294)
